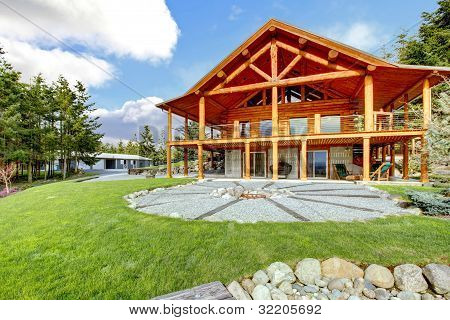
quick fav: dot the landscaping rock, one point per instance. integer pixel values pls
(277, 294)
(321, 283)
(369, 293)
(439, 277)
(408, 277)
(260, 277)
(308, 270)
(408, 295)
(237, 291)
(248, 285)
(279, 272)
(381, 294)
(369, 285)
(311, 289)
(379, 276)
(322, 296)
(286, 287)
(354, 298)
(336, 284)
(334, 295)
(427, 296)
(339, 268)
(261, 292)
(358, 284)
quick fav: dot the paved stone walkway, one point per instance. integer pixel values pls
(306, 201)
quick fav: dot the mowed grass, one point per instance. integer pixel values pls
(402, 190)
(72, 240)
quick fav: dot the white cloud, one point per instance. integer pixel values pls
(140, 29)
(121, 123)
(236, 11)
(31, 60)
(360, 35)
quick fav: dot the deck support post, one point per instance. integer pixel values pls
(201, 118)
(406, 111)
(424, 161)
(201, 175)
(247, 161)
(185, 150)
(426, 96)
(275, 160)
(392, 169)
(169, 140)
(366, 159)
(405, 172)
(303, 173)
(368, 103)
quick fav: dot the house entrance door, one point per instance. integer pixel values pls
(317, 164)
(257, 164)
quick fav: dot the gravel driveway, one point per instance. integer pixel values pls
(305, 201)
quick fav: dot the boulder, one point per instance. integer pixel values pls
(279, 272)
(321, 283)
(260, 277)
(261, 292)
(427, 296)
(311, 289)
(408, 295)
(354, 298)
(248, 285)
(408, 277)
(439, 277)
(358, 284)
(381, 294)
(379, 276)
(369, 293)
(237, 292)
(308, 270)
(339, 268)
(277, 294)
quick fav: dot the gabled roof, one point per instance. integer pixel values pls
(391, 80)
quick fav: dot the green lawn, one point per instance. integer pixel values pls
(72, 240)
(401, 190)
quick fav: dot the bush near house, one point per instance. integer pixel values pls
(431, 203)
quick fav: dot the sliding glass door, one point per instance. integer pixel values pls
(317, 164)
(257, 164)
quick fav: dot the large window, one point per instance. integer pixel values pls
(330, 124)
(244, 129)
(298, 126)
(265, 128)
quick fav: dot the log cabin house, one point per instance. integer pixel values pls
(309, 102)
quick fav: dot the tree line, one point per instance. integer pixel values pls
(43, 124)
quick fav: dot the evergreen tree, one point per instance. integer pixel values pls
(146, 144)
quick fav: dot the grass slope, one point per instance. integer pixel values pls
(73, 240)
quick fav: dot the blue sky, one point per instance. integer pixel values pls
(207, 32)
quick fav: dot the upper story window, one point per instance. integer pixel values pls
(244, 129)
(330, 124)
(265, 128)
(298, 126)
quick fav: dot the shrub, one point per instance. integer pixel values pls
(431, 203)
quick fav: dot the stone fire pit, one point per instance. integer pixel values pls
(239, 192)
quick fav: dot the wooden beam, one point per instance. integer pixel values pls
(288, 82)
(169, 140)
(185, 150)
(289, 67)
(405, 171)
(366, 159)
(302, 42)
(371, 68)
(247, 161)
(221, 74)
(316, 123)
(244, 65)
(368, 103)
(332, 55)
(408, 90)
(216, 104)
(264, 97)
(260, 72)
(246, 53)
(201, 174)
(424, 160)
(406, 111)
(274, 59)
(392, 169)
(426, 97)
(201, 118)
(311, 57)
(303, 171)
(358, 88)
(274, 111)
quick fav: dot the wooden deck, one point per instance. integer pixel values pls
(209, 291)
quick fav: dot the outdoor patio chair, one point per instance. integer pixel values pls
(381, 173)
(340, 171)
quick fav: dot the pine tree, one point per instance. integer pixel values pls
(146, 144)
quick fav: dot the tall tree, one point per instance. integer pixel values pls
(146, 143)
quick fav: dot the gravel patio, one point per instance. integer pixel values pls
(289, 201)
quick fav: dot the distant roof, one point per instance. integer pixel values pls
(120, 156)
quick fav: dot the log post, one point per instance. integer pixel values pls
(406, 111)
(274, 112)
(201, 118)
(405, 172)
(392, 169)
(169, 140)
(303, 171)
(317, 123)
(366, 159)
(368, 103)
(275, 160)
(274, 74)
(247, 161)
(424, 161)
(185, 150)
(201, 174)
(426, 95)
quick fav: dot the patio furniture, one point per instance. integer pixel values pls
(340, 171)
(381, 173)
(284, 169)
